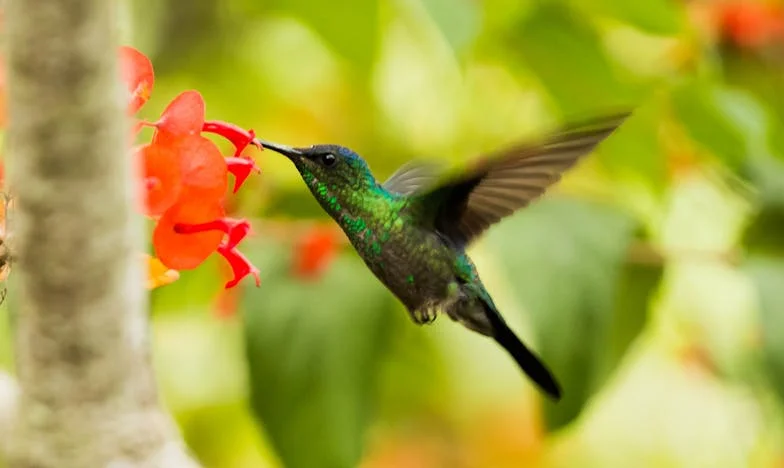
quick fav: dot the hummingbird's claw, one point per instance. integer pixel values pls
(424, 315)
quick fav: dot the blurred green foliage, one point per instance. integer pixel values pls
(650, 279)
(565, 258)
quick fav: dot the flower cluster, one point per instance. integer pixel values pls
(184, 179)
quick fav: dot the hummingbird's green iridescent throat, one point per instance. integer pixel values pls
(413, 229)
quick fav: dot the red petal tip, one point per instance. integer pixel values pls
(238, 136)
(241, 168)
(235, 229)
(240, 266)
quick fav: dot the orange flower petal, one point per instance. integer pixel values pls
(162, 178)
(203, 168)
(183, 116)
(187, 251)
(137, 73)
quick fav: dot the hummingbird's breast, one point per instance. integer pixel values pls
(411, 261)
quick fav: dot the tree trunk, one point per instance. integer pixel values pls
(88, 396)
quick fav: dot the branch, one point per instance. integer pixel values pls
(88, 393)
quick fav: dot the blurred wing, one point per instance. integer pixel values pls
(412, 177)
(504, 182)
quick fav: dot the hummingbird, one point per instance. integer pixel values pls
(412, 230)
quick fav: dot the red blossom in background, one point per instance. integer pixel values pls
(185, 177)
(315, 251)
(751, 24)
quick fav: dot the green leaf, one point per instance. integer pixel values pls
(638, 282)
(414, 357)
(768, 276)
(315, 350)
(350, 27)
(728, 123)
(565, 52)
(635, 151)
(196, 289)
(566, 259)
(766, 173)
(755, 73)
(458, 20)
(663, 17)
(763, 234)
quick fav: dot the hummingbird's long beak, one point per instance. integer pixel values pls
(287, 151)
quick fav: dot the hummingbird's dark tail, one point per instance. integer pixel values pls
(528, 362)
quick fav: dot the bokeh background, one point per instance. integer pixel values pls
(651, 280)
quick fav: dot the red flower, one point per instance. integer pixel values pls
(162, 178)
(204, 171)
(315, 251)
(752, 24)
(240, 265)
(226, 304)
(181, 249)
(239, 137)
(137, 73)
(185, 177)
(182, 117)
(241, 168)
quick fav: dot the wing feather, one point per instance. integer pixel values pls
(504, 182)
(412, 177)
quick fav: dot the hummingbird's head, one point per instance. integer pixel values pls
(332, 166)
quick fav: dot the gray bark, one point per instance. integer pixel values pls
(88, 396)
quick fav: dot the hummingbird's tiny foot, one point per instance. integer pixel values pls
(425, 315)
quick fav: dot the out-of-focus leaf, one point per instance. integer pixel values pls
(729, 123)
(756, 74)
(766, 173)
(663, 17)
(315, 350)
(637, 284)
(565, 257)
(764, 234)
(635, 151)
(415, 380)
(659, 412)
(200, 287)
(187, 345)
(349, 27)
(565, 52)
(458, 20)
(225, 435)
(768, 277)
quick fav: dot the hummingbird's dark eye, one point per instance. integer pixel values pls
(328, 159)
